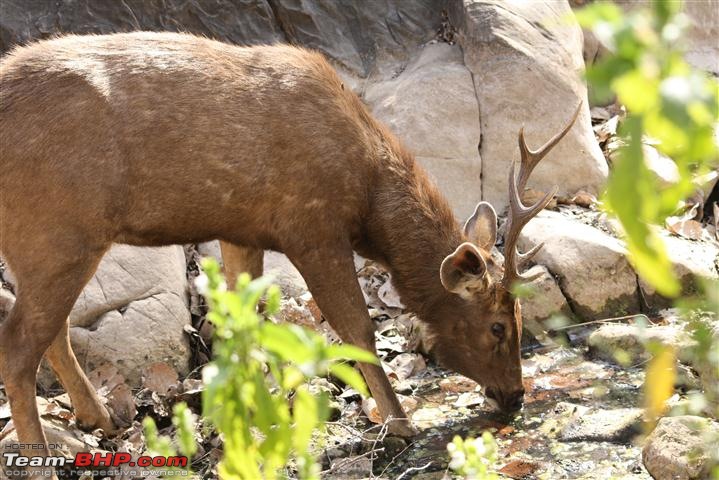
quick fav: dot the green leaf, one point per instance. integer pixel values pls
(184, 421)
(351, 352)
(306, 417)
(350, 376)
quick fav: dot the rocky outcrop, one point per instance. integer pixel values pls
(356, 35)
(545, 299)
(246, 22)
(702, 48)
(617, 341)
(526, 61)
(432, 107)
(677, 448)
(133, 311)
(591, 266)
(691, 260)
(616, 426)
(363, 37)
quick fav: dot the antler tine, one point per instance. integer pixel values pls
(530, 158)
(525, 258)
(519, 214)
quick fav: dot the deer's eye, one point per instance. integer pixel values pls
(498, 330)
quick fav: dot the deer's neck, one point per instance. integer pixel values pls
(414, 229)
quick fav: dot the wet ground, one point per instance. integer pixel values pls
(578, 422)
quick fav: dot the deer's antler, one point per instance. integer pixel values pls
(519, 214)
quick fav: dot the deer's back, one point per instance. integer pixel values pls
(171, 138)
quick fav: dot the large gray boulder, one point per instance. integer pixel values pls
(360, 36)
(432, 107)
(591, 265)
(133, 311)
(691, 260)
(546, 298)
(702, 47)
(526, 61)
(244, 22)
(622, 343)
(703, 51)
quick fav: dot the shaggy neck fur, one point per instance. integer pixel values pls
(416, 229)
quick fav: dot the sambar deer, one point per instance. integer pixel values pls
(158, 138)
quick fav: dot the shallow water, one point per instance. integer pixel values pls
(561, 385)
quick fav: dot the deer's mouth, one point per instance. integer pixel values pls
(506, 402)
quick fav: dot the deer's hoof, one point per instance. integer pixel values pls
(99, 420)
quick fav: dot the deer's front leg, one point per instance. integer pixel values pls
(331, 277)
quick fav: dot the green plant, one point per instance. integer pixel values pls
(473, 458)
(666, 100)
(256, 393)
(184, 422)
(677, 107)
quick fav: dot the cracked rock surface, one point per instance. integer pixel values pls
(132, 312)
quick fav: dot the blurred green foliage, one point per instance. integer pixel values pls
(676, 107)
(184, 422)
(667, 101)
(256, 393)
(473, 458)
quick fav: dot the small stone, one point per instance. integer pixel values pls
(677, 448)
(615, 426)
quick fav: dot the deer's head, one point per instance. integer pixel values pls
(482, 341)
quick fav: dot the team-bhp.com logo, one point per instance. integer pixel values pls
(16, 465)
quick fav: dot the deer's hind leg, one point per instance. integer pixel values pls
(237, 259)
(49, 279)
(90, 413)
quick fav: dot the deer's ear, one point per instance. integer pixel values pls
(464, 270)
(481, 227)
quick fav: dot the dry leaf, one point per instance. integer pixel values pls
(405, 365)
(457, 385)
(606, 130)
(369, 407)
(600, 113)
(121, 405)
(409, 404)
(690, 229)
(292, 312)
(309, 302)
(105, 377)
(389, 295)
(117, 395)
(716, 220)
(390, 344)
(159, 377)
(519, 469)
